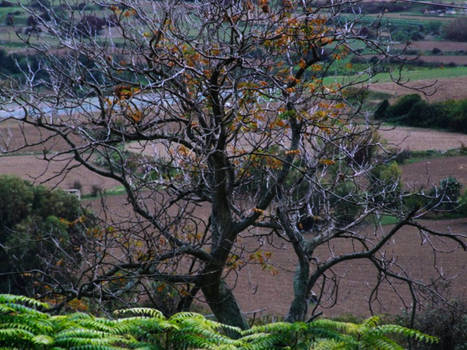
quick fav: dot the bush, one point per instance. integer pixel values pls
(385, 184)
(447, 322)
(91, 25)
(456, 115)
(96, 190)
(380, 112)
(32, 219)
(449, 188)
(344, 200)
(462, 209)
(402, 106)
(423, 114)
(77, 185)
(456, 30)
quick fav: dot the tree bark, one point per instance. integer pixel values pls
(299, 306)
(223, 304)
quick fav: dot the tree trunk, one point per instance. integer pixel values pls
(223, 304)
(299, 307)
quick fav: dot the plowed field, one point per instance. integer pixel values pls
(434, 90)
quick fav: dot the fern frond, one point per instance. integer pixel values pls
(379, 343)
(407, 332)
(141, 311)
(337, 326)
(42, 339)
(14, 336)
(371, 322)
(329, 344)
(15, 299)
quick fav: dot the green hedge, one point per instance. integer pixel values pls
(412, 110)
(24, 326)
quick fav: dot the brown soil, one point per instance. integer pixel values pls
(444, 45)
(429, 172)
(271, 294)
(418, 18)
(14, 136)
(39, 171)
(260, 290)
(459, 60)
(434, 90)
(419, 139)
(444, 59)
(266, 293)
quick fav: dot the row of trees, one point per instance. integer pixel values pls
(226, 105)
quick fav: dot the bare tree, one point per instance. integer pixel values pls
(216, 118)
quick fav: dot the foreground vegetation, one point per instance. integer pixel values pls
(24, 326)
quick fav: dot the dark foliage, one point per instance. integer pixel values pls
(5, 3)
(91, 25)
(447, 322)
(456, 30)
(32, 220)
(414, 111)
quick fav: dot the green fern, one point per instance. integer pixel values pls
(24, 326)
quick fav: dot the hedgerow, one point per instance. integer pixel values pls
(412, 110)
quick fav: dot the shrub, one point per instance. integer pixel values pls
(90, 25)
(447, 322)
(450, 189)
(402, 156)
(344, 199)
(31, 220)
(40, 4)
(385, 184)
(456, 30)
(77, 185)
(5, 3)
(456, 115)
(380, 112)
(462, 209)
(423, 114)
(96, 190)
(402, 106)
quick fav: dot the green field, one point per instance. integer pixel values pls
(419, 74)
